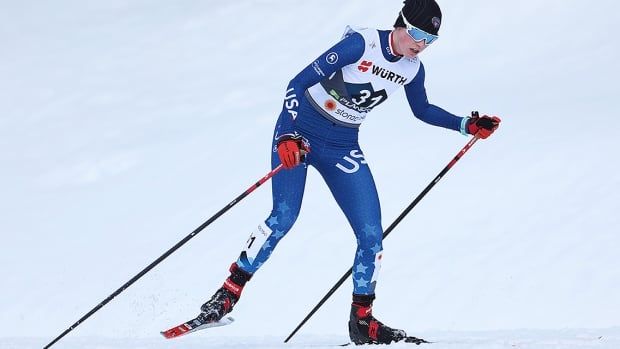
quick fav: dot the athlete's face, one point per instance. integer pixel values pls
(405, 45)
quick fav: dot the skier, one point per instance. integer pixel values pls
(324, 106)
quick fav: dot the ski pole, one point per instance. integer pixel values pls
(388, 231)
(168, 253)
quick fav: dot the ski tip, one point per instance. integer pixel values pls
(173, 332)
(176, 331)
(416, 340)
(167, 334)
(194, 325)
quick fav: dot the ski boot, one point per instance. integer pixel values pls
(365, 328)
(225, 298)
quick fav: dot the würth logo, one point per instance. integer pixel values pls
(364, 66)
(389, 75)
(381, 72)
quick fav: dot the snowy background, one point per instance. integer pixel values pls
(126, 124)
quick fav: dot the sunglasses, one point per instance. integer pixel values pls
(418, 34)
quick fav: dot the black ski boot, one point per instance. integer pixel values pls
(225, 298)
(365, 329)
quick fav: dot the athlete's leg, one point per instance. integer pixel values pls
(287, 192)
(349, 178)
(353, 187)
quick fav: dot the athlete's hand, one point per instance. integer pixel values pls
(291, 150)
(482, 126)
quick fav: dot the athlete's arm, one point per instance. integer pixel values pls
(349, 50)
(423, 110)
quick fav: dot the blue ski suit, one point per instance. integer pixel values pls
(324, 104)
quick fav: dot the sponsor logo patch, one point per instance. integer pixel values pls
(364, 66)
(334, 94)
(331, 58)
(330, 105)
(317, 68)
(388, 75)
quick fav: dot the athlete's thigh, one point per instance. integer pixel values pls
(350, 180)
(287, 188)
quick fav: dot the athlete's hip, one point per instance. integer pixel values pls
(311, 124)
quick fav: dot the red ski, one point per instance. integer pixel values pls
(194, 325)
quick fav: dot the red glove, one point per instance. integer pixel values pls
(291, 151)
(483, 126)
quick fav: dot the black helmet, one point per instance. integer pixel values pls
(423, 14)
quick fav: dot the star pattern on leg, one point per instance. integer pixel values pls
(376, 249)
(278, 234)
(272, 221)
(361, 282)
(266, 245)
(360, 268)
(283, 207)
(370, 230)
(360, 253)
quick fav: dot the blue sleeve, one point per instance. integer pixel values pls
(349, 50)
(423, 110)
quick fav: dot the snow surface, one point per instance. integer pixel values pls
(522, 339)
(126, 124)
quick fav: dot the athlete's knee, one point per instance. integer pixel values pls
(282, 217)
(369, 236)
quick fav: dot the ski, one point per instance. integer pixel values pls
(415, 340)
(194, 325)
(408, 339)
